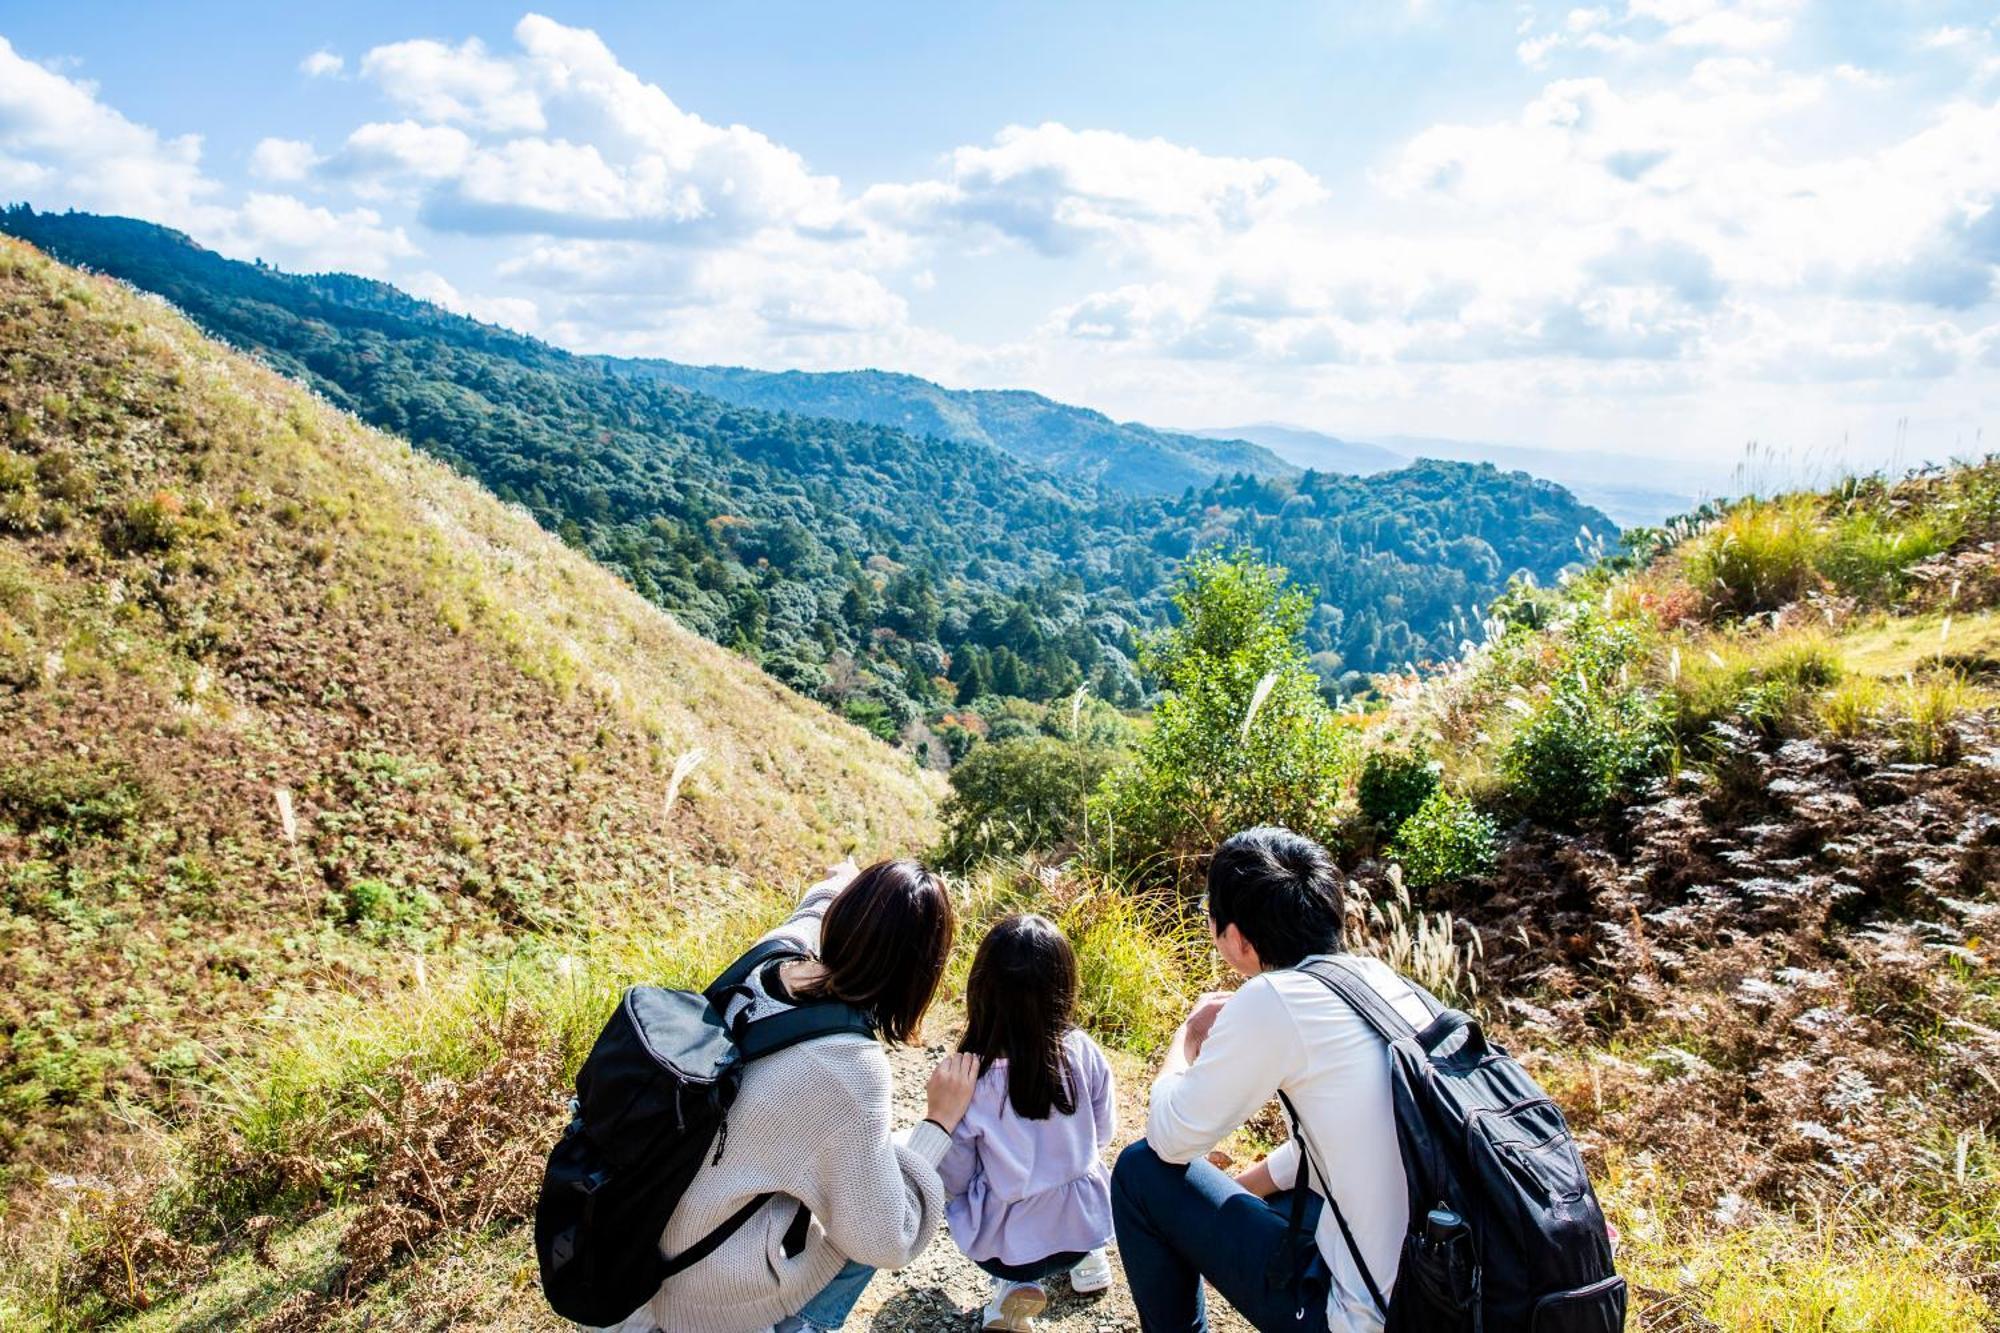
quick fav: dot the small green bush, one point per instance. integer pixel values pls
(1581, 750)
(1760, 556)
(384, 911)
(1769, 684)
(1869, 555)
(1445, 839)
(70, 799)
(146, 526)
(1017, 796)
(1241, 735)
(1394, 785)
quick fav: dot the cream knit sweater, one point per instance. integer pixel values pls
(811, 1123)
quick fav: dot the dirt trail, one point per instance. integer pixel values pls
(943, 1290)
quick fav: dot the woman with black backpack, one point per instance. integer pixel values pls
(811, 1186)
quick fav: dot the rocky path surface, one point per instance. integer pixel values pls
(943, 1290)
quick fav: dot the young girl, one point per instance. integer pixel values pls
(1027, 1192)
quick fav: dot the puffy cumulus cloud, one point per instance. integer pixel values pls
(62, 147)
(382, 155)
(322, 65)
(282, 159)
(777, 295)
(293, 234)
(557, 138)
(1058, 190)
(510, 312)
(461, 85)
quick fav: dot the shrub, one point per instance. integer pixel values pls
(1394, 785)
(1581, 750)
(1241, 735)
(1870, 556)
(145, 526)
(1016, 796)
(70, 799)
(1760, 556)
(1445, 839)
(384, 911)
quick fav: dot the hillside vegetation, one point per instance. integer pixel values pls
(1710, 834)
(1123, 456)
(894, 575)
(284, 705)
(1705, 831)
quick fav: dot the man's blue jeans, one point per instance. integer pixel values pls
(835, 1301)
(1179, 1224)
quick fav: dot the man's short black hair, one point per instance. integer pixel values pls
(1282, 891)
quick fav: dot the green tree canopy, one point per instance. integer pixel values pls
(1241, 735)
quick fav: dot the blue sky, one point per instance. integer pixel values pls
(1666, 227)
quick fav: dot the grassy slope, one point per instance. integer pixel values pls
(213, 587)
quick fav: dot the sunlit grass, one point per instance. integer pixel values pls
(1759, 556)
(1761, 679)
(1779, 1273)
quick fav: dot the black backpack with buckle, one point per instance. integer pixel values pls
(1506, 1235)
(651, 1108)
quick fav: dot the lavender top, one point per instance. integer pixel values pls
(1020, 1190)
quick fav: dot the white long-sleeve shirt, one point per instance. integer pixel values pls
(1286, 1031)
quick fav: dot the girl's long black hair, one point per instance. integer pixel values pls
(1020, 1004)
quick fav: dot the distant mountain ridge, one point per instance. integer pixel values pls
(1069, 441)
(1311, 449)
(1630, 488)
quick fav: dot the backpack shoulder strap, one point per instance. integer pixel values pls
(1296, 1228)
(1365, 1000)
(739, 971)
(768, 1036)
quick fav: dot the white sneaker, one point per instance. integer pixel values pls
(1014, 1306)
(1092, 1274)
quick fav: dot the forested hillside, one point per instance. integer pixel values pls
(1075, 442)
(893, 575)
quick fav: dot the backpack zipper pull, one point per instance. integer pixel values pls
(721, 1142)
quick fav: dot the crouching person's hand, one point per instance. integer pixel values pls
(950, 1090)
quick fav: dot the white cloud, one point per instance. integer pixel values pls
(282, 159)
(1938, 39)
(511, 312)
(381, 154)
(61, 147)
(322, 65)
(293, 234)
(458, 84)
(1651, 26)
(1058, 189)
(559, 139)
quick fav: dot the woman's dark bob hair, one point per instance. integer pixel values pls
(1020, 1004)
(884, 942)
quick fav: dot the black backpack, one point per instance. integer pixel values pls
(650, 1109)
(1505, 1231)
